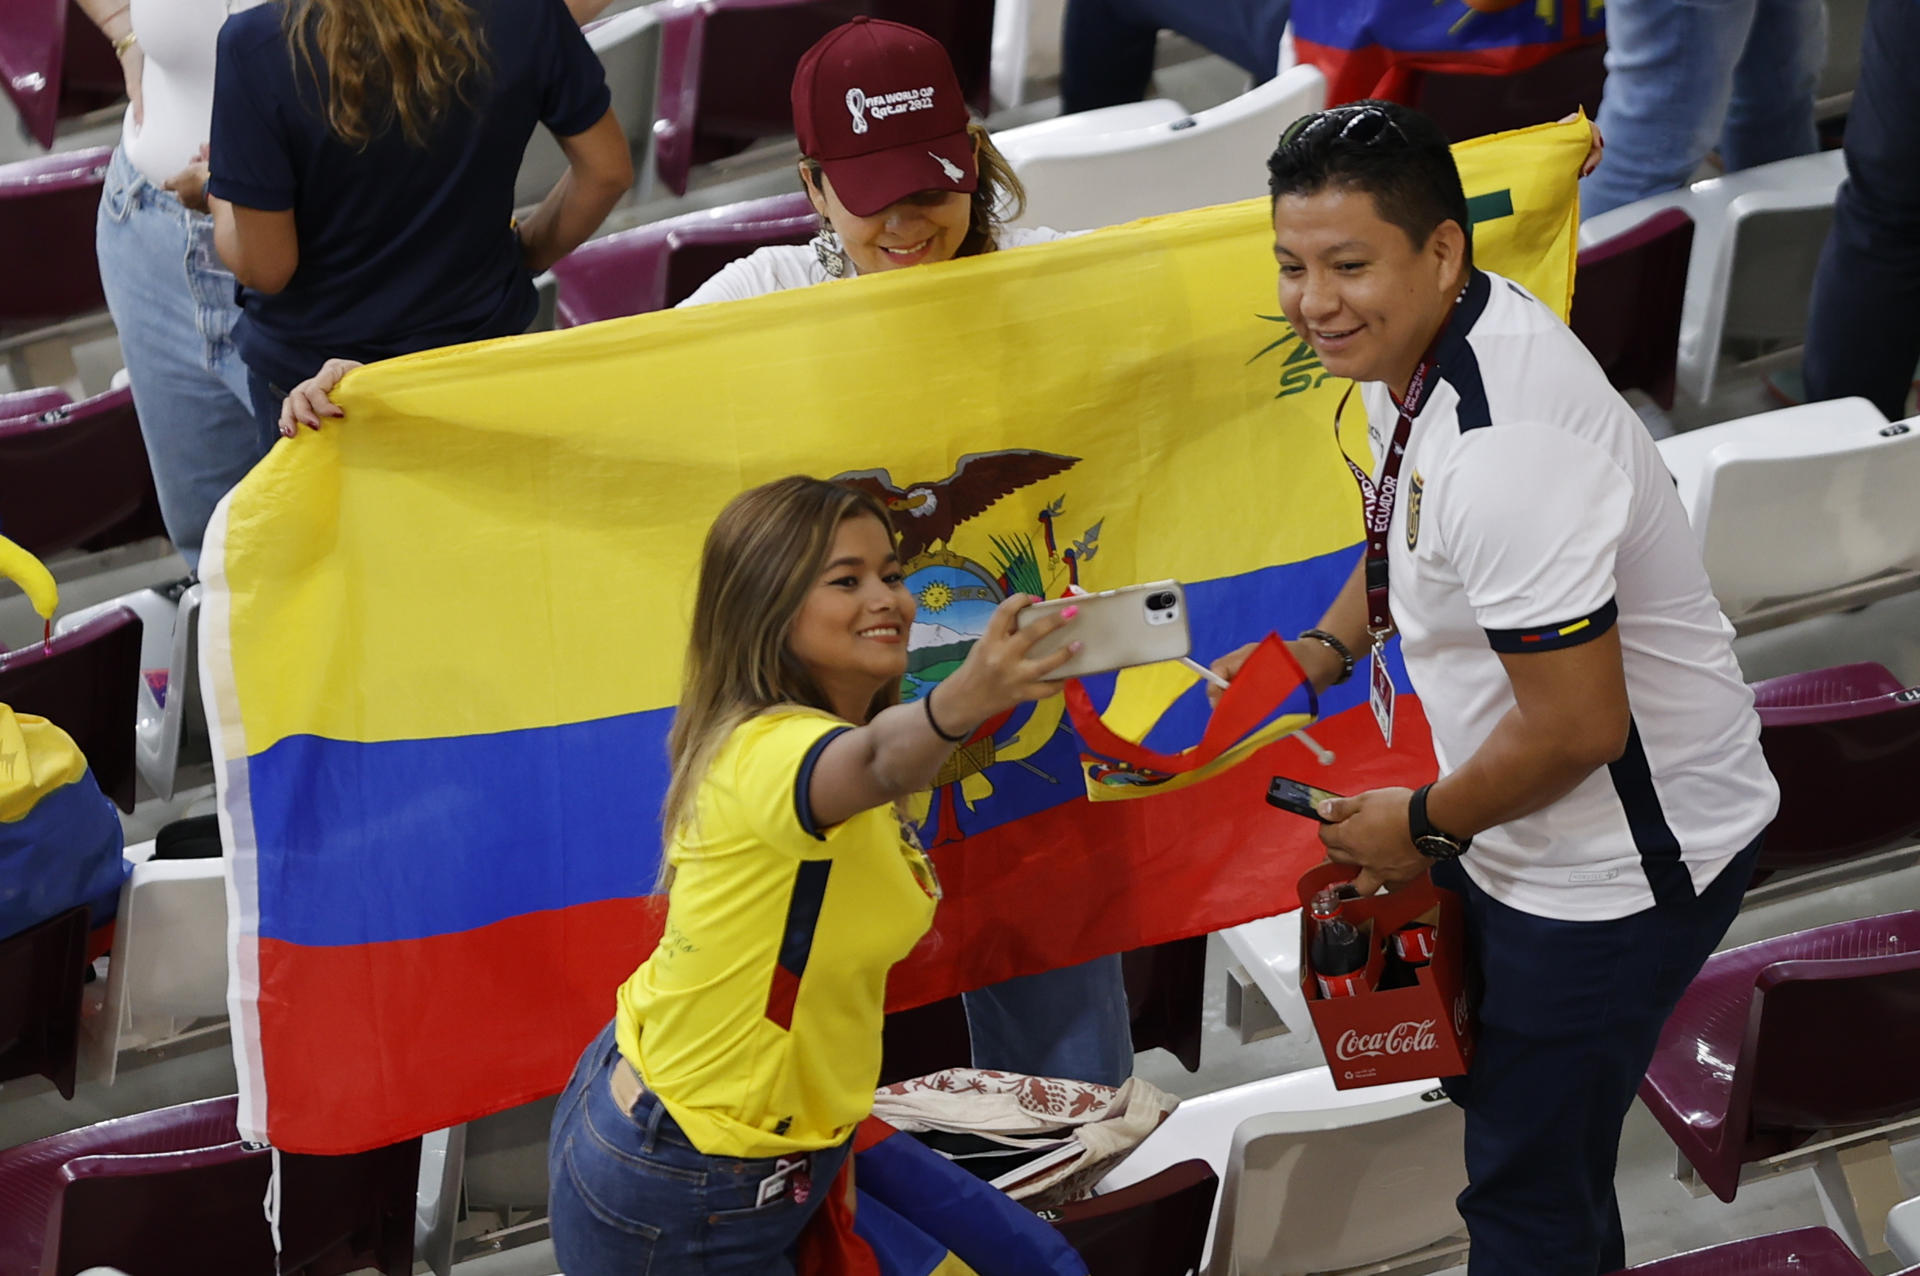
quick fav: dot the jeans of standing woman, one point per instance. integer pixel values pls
(1685, 75)
(1863, 332)
(1071, 1022)
(173, 304)
(629, 1193)
(1107, 46)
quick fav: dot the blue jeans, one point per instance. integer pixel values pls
(1683, 75)
(1072, 1022)
(1863, 331)
(172, 302)
(629, 1194)
(1107, 46)
(1569, 1014)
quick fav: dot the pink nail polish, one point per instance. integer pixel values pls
(1068, 613)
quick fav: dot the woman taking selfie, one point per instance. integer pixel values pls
(707, 1121)
(909, 187)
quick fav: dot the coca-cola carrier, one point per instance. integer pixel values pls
(1403, 1034)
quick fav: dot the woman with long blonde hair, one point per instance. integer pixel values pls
(362, 168)
(902, 177)
(706, 1123)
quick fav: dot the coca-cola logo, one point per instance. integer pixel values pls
(1403, 1038)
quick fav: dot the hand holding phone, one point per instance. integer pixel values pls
(1298, 798)
(1138, 625)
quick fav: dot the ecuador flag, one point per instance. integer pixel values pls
(442, 639)
(1370, 48)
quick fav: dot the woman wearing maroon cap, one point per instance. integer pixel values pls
(898, 171)
(902, 176)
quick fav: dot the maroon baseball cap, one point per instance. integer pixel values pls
(878, 104)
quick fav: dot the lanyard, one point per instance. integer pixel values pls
(1377, 500)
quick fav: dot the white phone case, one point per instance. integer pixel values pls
(1118, 628)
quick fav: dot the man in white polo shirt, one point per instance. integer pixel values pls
(1602, 790)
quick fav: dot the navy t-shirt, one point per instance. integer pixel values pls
(402, 248)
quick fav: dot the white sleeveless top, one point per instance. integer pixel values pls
(176, 82)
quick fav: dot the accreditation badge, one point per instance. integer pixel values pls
(1380, 691)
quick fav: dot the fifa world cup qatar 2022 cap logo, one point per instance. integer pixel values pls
(857, 107)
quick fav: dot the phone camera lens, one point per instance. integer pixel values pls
(1160, 601)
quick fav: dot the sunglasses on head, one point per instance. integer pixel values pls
(1359, 124)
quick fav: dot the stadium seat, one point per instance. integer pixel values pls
(659, 265)
(1628, 292)
(1757, 240)
(1777, 1040)
(1269, 951)
(1853, 729)
(174, 1192)
(628, 45)
(1215, 157)
(726, 67)
(1094, 123)
(1166, 994)
(1467, 106)
(1903, 1231)
(76, 476)
(31, 403)
(1805, 1251)
(54, 65)
(1295, 1154)
(1156, 1227)
(443, 1157)
(1757, 488)
(171, 747)
(85, 682)
(47, 207)
(1026, 45)
(504, 1165)
(169, 962)
(41, 969)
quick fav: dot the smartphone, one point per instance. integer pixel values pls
(1301, 799)
(1138, 625)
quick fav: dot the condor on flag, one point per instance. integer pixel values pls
(442, 637)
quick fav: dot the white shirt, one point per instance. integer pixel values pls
(1534, 512)
(782, 266)
(177, 40)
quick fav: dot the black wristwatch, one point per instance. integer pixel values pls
(1428, 840)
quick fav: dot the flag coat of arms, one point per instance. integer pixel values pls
(443, 638)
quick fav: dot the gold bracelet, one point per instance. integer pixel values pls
(124, 43)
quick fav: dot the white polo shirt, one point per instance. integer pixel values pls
(1535, 513)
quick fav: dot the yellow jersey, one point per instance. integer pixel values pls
(757, 1019)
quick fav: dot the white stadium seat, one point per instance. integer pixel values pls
(1756, 244)
(1903, 1231)
(1026, 46)
(629, 48)
(171, 750)
(1269, 950)
(1089, 124)
(1216, 157)
(1300, 1160)
(1804, 510)
(168, 967)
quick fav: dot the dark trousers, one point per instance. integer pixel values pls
(1863, 328)
(1106, 46)
(267, 398)
(1569, 1014)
